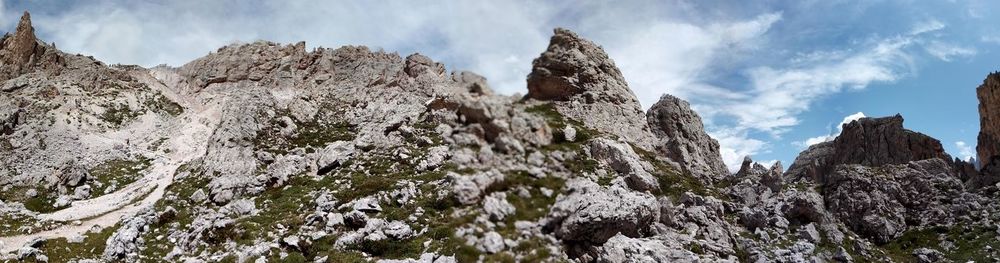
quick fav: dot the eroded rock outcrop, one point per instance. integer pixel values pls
(867, 142)
(585, 85)
(683, 139)
(882, 202)
(22, 52)
(590, 213)
(989, 119)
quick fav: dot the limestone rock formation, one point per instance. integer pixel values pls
(883, 202)
(593, 214)
(683, 138)
(269, 152)
(22, 52)
(989, 119)
(584, 83)
(868, 142)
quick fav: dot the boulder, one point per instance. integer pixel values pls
(334, 155)
(591, 213)
(621, 248)
(629, 165)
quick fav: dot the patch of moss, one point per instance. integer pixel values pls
(164, 105)
(92, 247)
(118, 114)
(557, 122)
(672, 182)
(310, 135)
(968, 242)
(118, 172)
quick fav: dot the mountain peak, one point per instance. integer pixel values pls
(19, 48)
(572, 66)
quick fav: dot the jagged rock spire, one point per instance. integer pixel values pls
(21, 46)
(21, 52)
(585, 85)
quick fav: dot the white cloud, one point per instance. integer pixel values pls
(927, 26)
(833, 135)
(946, 51)
(965, 151)
(736, 145)
(672, 57)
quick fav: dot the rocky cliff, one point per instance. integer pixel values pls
(989, 121)
(264, 152)
(867, 142)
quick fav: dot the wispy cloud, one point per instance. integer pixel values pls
(927, 26)
(673, 57)
(832, 135)
(947, 51)
(965, 151)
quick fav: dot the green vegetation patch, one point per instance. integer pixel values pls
(310, 135)
(43, 201)
(92, 247)
(17, 224)
(164, 105)
(118, 114)
(117, 172)
(969, 243)
(557, 122)
(672, 182)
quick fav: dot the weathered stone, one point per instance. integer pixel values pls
(868, 142)
(334, 155)
(592, 213)
(878, 202)
(683, 139)
(585, 85)
(989, 119)
(626, 162)
(497, 206)
(621, 248)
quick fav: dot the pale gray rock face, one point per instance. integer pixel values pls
(754, 182)
(497, 206)
(469, 189)
(125, 243)
(585, 85)
(592, 213)
(882, 202)
(620, 157)
(491, 243)
(334, 155)
(683, 139)
(620, 249)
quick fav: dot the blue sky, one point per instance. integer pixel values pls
(768, 77)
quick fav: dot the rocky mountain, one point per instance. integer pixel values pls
(263, 152)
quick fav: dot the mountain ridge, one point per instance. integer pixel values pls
(270, 152)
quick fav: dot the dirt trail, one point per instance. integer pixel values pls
(188, 139)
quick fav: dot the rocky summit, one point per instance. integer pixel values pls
(266, 152)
